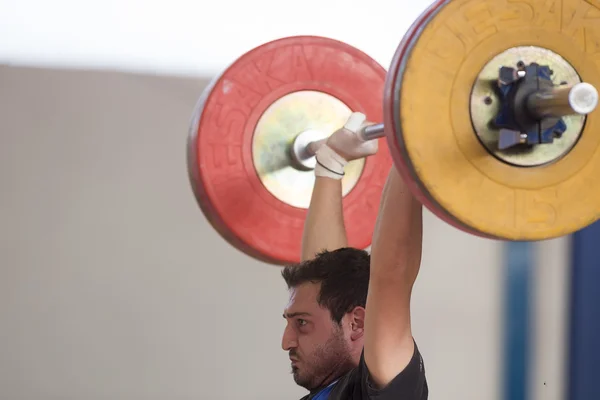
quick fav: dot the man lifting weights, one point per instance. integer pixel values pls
(348, 331)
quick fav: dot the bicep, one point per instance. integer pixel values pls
(389, 344)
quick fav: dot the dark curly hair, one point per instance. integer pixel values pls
(343, 275)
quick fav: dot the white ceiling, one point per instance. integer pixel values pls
(187, 37)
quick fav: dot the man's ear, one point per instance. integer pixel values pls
(357, 323)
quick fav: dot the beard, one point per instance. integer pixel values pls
(328, 362)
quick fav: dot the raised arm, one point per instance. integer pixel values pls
(395, 262)
(324, 227)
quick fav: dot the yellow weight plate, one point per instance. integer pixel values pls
(516, 201)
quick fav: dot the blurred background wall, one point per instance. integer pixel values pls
(114, 286)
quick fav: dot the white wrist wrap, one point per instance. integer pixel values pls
(329, 163)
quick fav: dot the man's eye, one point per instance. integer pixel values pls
(301, 322)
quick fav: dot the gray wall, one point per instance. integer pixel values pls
(114, 286)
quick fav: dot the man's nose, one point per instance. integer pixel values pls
(289, 340)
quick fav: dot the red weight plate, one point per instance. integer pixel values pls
(220, 147)
(393, 125)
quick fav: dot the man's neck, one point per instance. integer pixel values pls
(332, 378)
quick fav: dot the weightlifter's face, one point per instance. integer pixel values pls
(317, 346)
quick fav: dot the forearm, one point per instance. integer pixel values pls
(398, 235)
(324, 226)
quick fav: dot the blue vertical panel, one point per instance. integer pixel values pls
(584, 363)
(518, 262)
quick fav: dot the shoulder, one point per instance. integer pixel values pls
(410, 384)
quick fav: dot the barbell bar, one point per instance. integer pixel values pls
(305, 144)
(448, 117)
(582, 99)
(556, 102)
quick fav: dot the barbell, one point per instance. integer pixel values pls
(488, 114)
